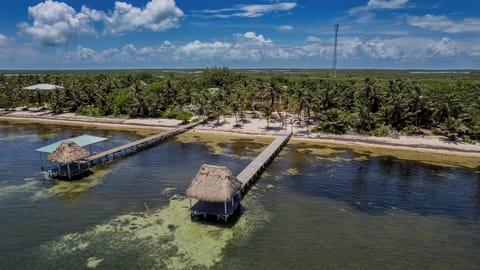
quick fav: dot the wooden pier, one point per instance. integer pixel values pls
(256, 167)
(81, 166)
(222, 208)
(135, 146)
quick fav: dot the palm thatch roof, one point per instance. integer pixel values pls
(214, 184)
(68, 152)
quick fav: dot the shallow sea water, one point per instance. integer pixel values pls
(315, 207)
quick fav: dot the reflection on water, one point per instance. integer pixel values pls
(315, 207)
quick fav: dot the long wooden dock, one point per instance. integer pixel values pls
(135, 146)
(256, 167)
(81, 166)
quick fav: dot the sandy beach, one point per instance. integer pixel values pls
(258, 127)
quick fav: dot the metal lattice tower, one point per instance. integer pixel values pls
(334, 64)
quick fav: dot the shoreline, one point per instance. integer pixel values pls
(256, 128)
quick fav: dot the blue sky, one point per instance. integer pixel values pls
(390, 34)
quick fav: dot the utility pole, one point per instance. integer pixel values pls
(334, 64)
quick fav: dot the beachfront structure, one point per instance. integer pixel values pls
(82, 164)
(218, 192)
(69, 155)
(43, 87)
(214, 185)
(40, 90)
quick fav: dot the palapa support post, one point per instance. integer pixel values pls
(225, 205)
(41, 161)
(68, 170)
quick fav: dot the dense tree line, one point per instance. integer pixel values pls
(378, 106)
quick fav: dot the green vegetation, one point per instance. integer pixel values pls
(395, 102)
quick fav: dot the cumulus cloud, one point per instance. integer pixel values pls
(258, 39)
(158, 15)
(4, 40)
(285, 28)
(198, 50)
(127, 54)
(443, 47)
(378, 49)
(380, 4)
(57, 23)
(249, 11)
(249, 49)
(444, 24)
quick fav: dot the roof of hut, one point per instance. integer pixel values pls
(214, 184)
(43, 86)
(68, 152)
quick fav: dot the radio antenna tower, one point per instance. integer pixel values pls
(334, 64)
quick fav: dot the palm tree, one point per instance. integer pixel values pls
(267, 113)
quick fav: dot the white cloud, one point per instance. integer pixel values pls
(378, 49)
(249, 50)
(127, 54)
(56, 23)
(4, 40)
(199, 51)
(250, 11)
(443, 47)
(366, 17)
(444, 24)
(258, 39)
(285, 28)
(313, 39)
(380, 4)
(158, 15)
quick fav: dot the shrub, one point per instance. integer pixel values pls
(315, 129)
(334, 121)
(87, 111)
(185, 116)
(467, 139)
(380, 131)
(411, 130)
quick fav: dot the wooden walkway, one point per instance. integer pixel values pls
(246, 177)
(135, 146)
(79, 167)
(256, 167)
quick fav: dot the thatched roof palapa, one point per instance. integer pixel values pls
(214, 184)
(68, 152)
